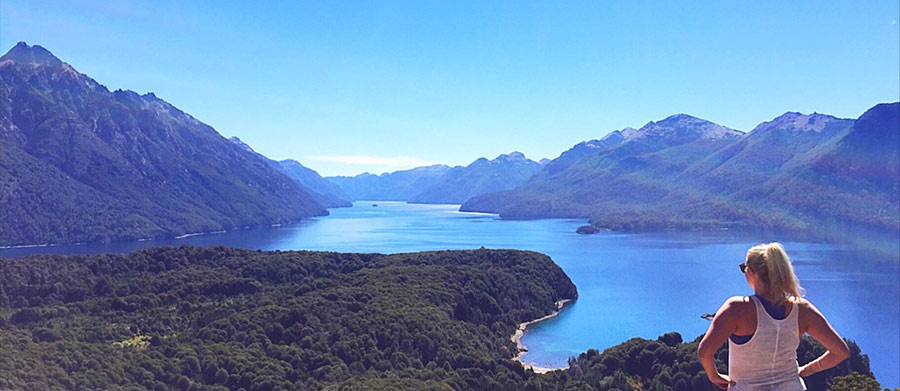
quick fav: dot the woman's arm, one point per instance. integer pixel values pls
(819, 328)
(723, 325)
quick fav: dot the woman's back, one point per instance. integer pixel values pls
(768, 361)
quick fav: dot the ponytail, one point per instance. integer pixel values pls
(773, 265)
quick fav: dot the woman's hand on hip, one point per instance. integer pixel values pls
(807, 370)
(720, 380)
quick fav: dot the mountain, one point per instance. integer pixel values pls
(658, 149)
(852, 181)
(868, 152)
(441, 184)
(632, 170)
(480, 177)
(797, 173)
(80, 163)
(581, 150)
(394, 186)
(321, 190)
(770, 148)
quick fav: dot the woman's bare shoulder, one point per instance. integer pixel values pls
(737, 304)
(808, 314)
(738, 299)
(805, 306)
(736, 307)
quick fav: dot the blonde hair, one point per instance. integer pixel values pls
(772, 264)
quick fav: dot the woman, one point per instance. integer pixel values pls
(763, 330)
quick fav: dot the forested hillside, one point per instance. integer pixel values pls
(581, 150)
(812, 174)
(324, 192)
(79, 163)
(215, 319)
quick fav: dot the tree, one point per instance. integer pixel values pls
(854, 382)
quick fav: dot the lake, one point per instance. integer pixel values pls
(630, 285)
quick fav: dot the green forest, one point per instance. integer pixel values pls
(218, 318)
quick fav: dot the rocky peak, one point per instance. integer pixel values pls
(24, 54)
(685, 121)
(616, 136)
(24, 61)
(512, 156)
(814, 124)
(681, 128)
(798, 121)
(611, 140)
(151, 96)
(681, 118)
(237, 141)
(628, 133)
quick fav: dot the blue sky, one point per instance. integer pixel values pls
(347, 87)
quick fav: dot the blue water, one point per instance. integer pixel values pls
(629, 284)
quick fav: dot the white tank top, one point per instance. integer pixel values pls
(768, 361)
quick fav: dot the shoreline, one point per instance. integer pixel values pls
(187, 235)
(154, 238)
(523, 350)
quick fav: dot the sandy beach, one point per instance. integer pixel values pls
(520, 332)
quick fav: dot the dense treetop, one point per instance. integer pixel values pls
(192, 318)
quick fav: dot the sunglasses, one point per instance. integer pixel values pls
(743, 267)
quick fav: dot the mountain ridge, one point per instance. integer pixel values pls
(678, 178)
(393, 186)
(321, 190)
(482, 176)
(85, 164)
